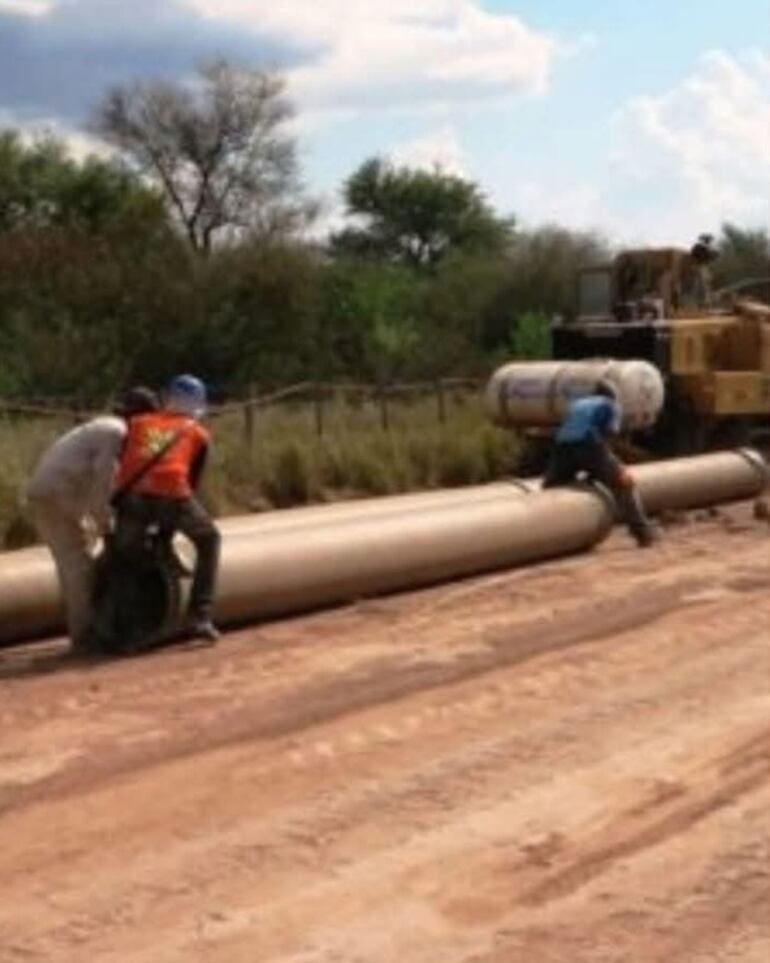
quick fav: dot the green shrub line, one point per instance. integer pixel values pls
(287, 463)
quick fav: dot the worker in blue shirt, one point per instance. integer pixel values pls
(582, 447)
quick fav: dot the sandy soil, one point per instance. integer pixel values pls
(561, 764)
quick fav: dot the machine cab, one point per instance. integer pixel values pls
(642, 286)
(594, 294)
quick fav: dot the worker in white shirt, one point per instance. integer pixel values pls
(69, 501)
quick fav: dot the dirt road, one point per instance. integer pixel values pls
(560, 764)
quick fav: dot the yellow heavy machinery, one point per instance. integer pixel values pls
(712, 350)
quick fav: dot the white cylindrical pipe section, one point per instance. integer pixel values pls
(285, 519)
(291, 571)
(317, 559)
(686, 483)
(536, 394)
(30, 600)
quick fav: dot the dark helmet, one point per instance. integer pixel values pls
(137, 401)
(705, 249)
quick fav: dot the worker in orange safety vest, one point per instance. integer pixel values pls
(163, 460)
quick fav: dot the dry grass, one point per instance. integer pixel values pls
(288, 463)
(22, 440)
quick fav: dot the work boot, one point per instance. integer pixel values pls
(203, 628)
(647, 537)
(85, 645)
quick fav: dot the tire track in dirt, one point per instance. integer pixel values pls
(424, 866)
(386, 680)
(430, 790)
(381, 681)
(674, 808)
(464, 796)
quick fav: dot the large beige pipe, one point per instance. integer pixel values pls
(379, 553)
(319, 559)
(363, 508)
(684, 483)
(290, 571)
(679, 483)
(301, 558)
(30, 602)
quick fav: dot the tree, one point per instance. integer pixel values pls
(42, 187)
(744, 255)
(84, 247)
(453, 312)
(367, 320)
(218, 148)
(541, 270)
(531, 336)
(416, 217)
(257, 315)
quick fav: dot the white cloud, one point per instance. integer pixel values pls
(574, 47)
(705, 144)
(331, 219)
(407, 52)
(577, 206)
(439, 148)
(79, 144)
(30, 8)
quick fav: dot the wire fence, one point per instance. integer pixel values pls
(320, 395)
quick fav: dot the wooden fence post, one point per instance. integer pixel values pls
(318, 405)
(441, 401)
(384, 413)
(250, 419)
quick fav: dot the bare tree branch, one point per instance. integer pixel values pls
(218, 148)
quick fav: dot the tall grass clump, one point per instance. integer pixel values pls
(284, 461)
(22, 441)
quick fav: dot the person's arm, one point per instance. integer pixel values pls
(615, 419)
(198, 466)
(108, 447)
(607, 418)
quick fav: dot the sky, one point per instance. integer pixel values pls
(648, 120)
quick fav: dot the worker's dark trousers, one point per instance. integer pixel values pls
(595, 460)
(185, 515)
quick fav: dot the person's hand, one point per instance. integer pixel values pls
(91, 532)
(101, 526)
